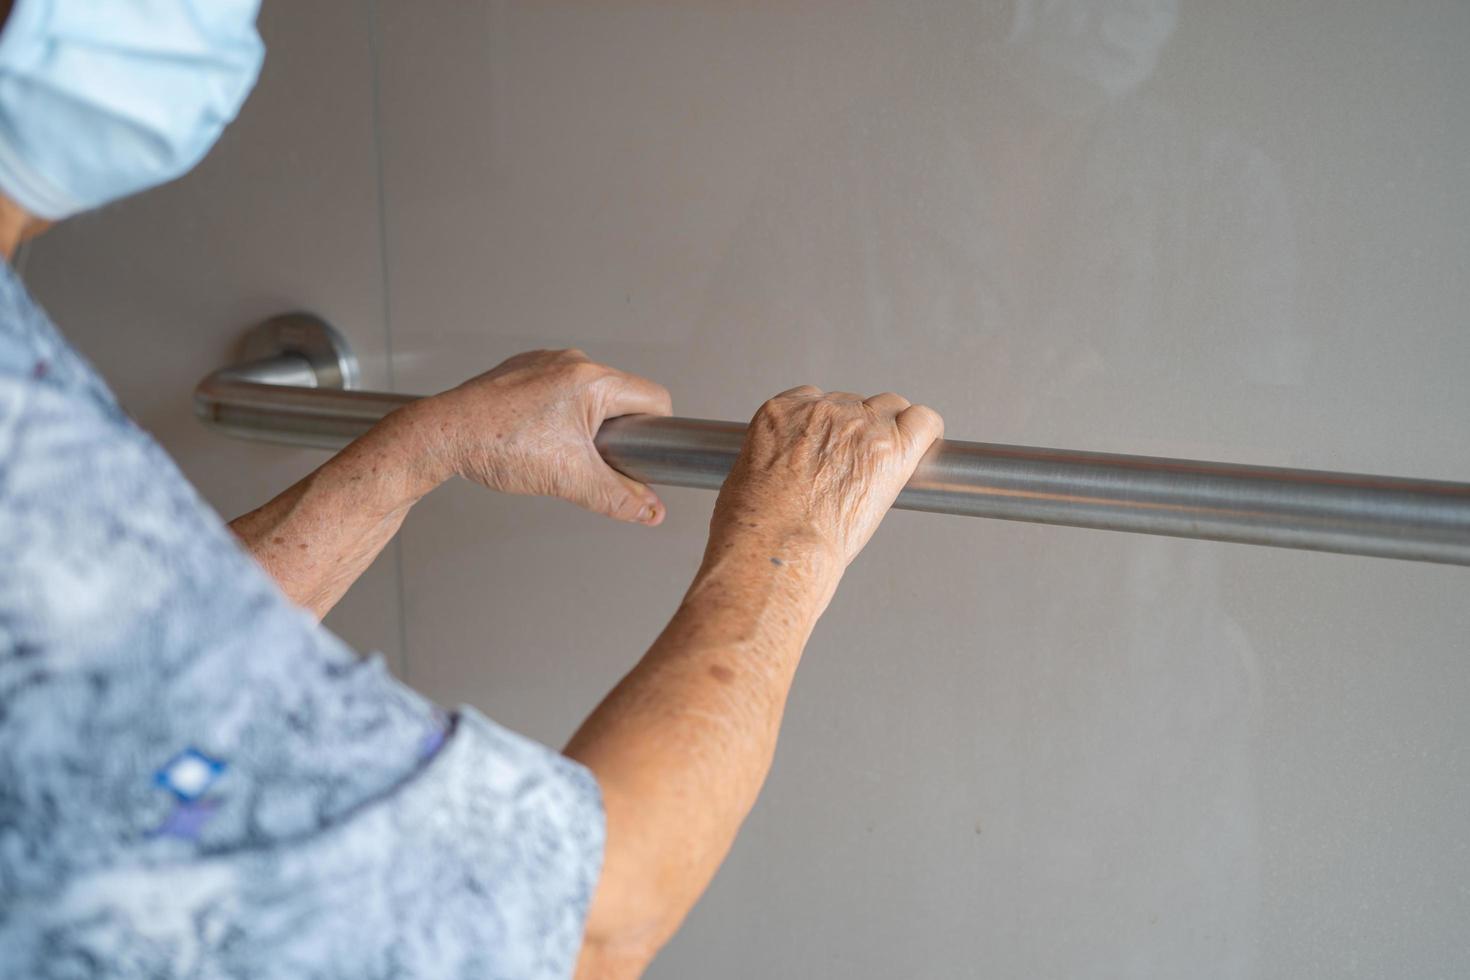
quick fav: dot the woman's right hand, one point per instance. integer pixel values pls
(822, 468)
(682, 745)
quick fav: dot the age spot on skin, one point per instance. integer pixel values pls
(722, 673)
(776, 561)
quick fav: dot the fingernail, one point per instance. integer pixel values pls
(648, 513)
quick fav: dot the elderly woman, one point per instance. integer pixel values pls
(196, 778)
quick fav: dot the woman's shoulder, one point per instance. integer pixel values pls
(34, 352)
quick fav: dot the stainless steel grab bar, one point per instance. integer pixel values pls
(295, 383)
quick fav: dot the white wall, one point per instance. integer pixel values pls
(1013, 750)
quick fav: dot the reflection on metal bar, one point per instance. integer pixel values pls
(291, 392)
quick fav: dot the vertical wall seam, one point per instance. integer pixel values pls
(384, 291)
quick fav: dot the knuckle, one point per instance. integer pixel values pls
(797, 394)
(767, 423)
(585, 371)
(771, 408)
(880, 450)
(604, 499)
(827, 406)
(623, 505)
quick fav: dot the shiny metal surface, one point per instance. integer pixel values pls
(307, 337)
(285, 398)
(327, 418)
(1382, 516)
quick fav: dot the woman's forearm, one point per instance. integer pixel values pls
(682, 745)
(317, 537)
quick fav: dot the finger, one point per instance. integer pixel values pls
(801, 391)
(888, 403)
(844, 396)
(921, 427)
(632, 395)
(603, 490)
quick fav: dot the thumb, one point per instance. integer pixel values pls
(603, 490)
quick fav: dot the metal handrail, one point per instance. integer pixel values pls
(295, 386)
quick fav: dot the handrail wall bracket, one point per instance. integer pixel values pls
(305, 337)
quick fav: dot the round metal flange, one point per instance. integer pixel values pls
(310, 338)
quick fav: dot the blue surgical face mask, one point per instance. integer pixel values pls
(99, 100)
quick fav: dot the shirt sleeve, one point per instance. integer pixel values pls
(197, 779)
(482, 865)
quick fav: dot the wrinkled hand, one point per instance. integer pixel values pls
(527, 427)
(824, 467)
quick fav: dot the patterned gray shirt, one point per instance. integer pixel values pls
(197, 780)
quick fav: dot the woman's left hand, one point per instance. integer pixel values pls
(527, 427)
